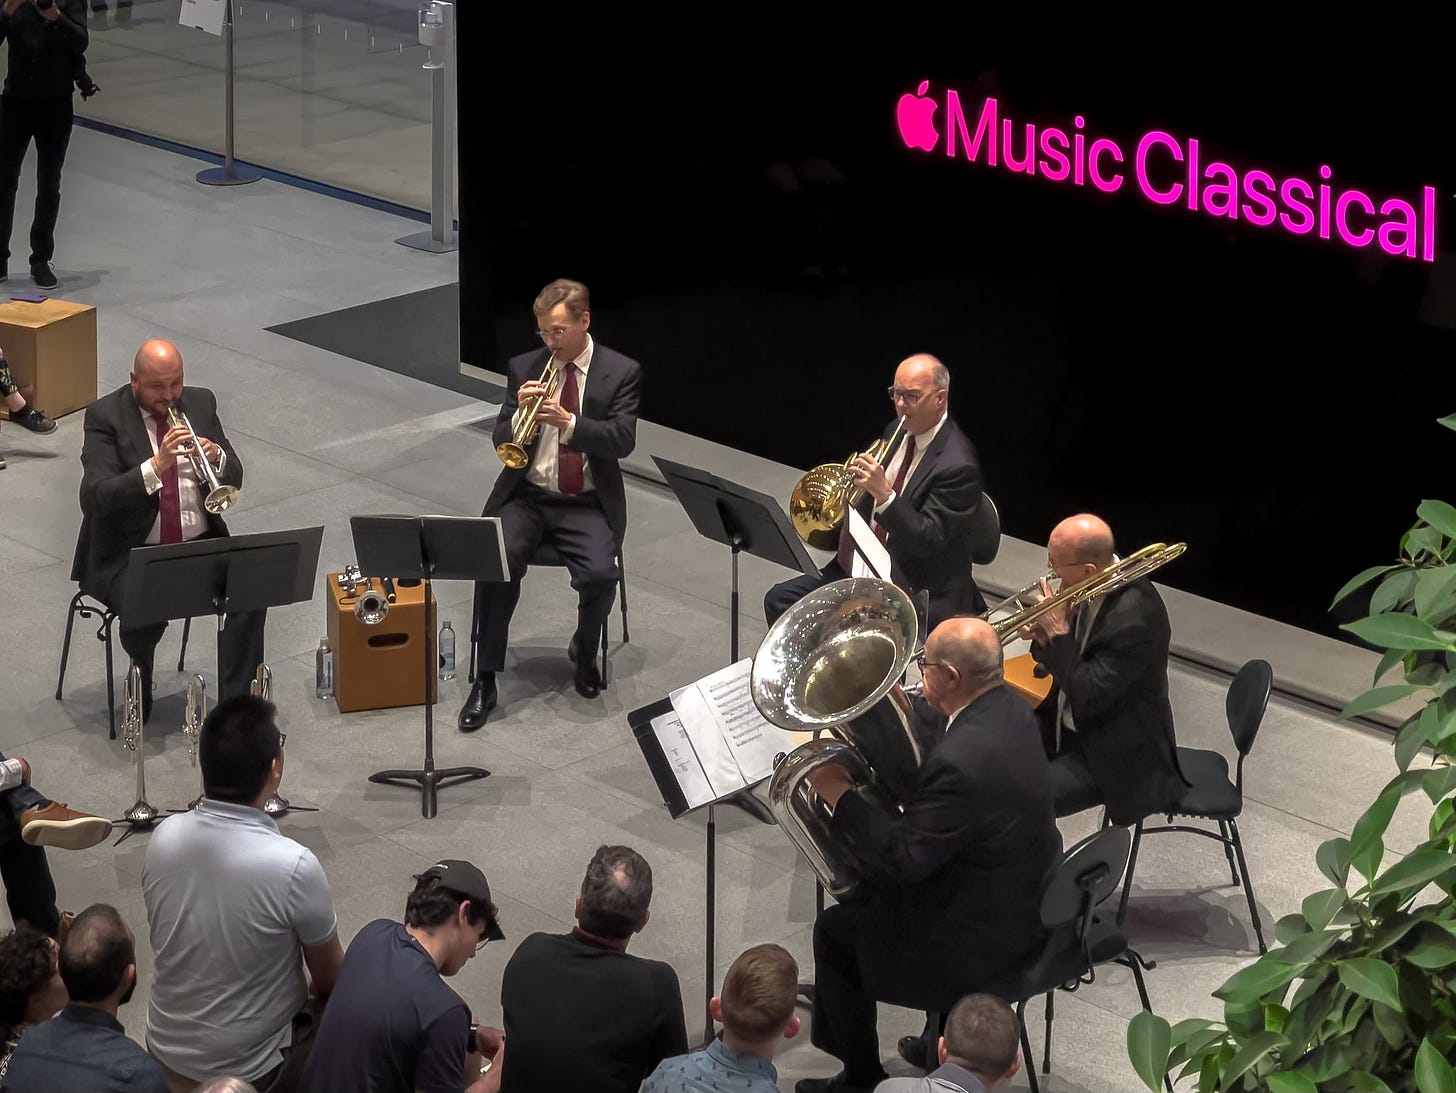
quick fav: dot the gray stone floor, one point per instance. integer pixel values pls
(324, 438)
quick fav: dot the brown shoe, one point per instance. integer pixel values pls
(58, 826)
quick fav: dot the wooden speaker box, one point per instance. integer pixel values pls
(51, 347)
(380, 666)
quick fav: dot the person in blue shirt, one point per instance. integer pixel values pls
(84, 1049)
(756, 1009)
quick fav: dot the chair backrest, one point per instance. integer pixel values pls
(1087, 874)
(1248, 698)
(985, 532)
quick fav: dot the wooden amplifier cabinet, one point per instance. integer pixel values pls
(51, 347)
(380, 666)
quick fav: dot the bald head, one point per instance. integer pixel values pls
(922, 385)
(923, 366)
(1081, 540)
(963, 660)
(156, 353)
(156, 376)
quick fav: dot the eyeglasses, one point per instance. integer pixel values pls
(282, 739)
(556, 331)
(922, 664)
(909, 398)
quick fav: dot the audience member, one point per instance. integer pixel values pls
(394, 1026)
(21, 411)
(31, 988)
(978, 1052)
(237, 912)
(756, 1009)
(580, 1013)
(84, 1049)
(29, 821)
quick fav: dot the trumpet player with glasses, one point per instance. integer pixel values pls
(920, 497)
(952, 879)
(157, 467)
(569, 417)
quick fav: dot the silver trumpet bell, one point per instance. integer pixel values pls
(372, 606)
(834, 662)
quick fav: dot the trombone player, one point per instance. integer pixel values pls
(921, 502)
(562, 485)
(1107, 724)
(141, 485)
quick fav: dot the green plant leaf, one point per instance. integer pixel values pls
(1274, 1017)
(1444, 814)
(1319, 909)
(1290, 1081)
(1408, 742)
(1328, 1061)
(1439, 783)
(1366, 861)
(1333, 859)
(1433, 1072)
(1362, 578)
(1449, 421)
(1372, 824)
(1302, 950)
(1397, 590)
(1358, 1081)
(1253, 1049)
(1434, 948)
(1435, 590)
(1422, 540)
(1399, 631)
(1248, 985)
(1376, 697)
(1415, 871)
(1439, 515)
(1388, 660)
(1391, 1025)
(1371, 978)
(1290, 927)
(1149, 1038)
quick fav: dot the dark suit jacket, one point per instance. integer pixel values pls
(930, 524)
(1117, 687)
(958, 874)
(116, 511)
(606, 427)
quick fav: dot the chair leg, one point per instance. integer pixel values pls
(1248, 887)
(606, 664)
(1046, 1058)
(66, 643)
(1137, 838)
(1228, 850)
(622, 583)
(182, 656)
(1133, 960)
(1027, 1066)
(110, 681)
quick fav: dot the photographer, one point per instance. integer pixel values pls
(46, 38)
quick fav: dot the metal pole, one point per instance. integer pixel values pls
(230, 173)
(437, 31)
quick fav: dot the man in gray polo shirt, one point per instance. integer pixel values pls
(236, 910)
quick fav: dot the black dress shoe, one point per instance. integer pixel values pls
(481, 701)
(837, 1084)
(588, 675)
(912, 1050)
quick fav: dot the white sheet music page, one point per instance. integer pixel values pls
(704, 730)
(751, 741)
(871, 559)
(670, 733)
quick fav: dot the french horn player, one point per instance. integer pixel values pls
(950, 874)
(919, 487)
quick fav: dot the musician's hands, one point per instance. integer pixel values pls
(173, 444)
(50, 14)
(1054, 624)
(211, 450)
(870, 477)
(831, 782)
(551, 413)
(490, 1081)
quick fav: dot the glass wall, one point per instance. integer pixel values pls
(330, 90)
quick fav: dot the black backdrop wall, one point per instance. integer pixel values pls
(755, 230)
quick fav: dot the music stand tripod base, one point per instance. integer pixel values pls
(239, 174)
(428, 781)
(139, 817)
(278, 805)
(426, 241)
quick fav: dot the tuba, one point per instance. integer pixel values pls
(513, 452)
(142, 814)
(834, 662)
(822, 497)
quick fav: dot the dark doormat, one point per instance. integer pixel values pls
(416, 335)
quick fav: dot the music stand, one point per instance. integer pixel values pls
(741, 519)
(464, 548)
(218, 575)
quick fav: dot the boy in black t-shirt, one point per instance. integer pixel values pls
(392, 1024)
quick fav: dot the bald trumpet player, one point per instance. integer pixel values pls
(921, 501)
(144, 483)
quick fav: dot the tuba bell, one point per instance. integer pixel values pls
(833, 662)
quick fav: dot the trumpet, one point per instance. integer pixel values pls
(262, 687)
(219, 497)
(142, 814)
(192, 725)
(513, 452)
(371, 607)
(822, 497)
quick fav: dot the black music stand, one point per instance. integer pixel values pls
(464, 548)
(218, 575)
(741, 519)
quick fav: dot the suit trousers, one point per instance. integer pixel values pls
(48, 123)
(30, 891)
(1073, 787)
(239, 644)
(576, 527)
(785, 594)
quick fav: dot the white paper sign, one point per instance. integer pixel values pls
(205, 15)
(871, 559)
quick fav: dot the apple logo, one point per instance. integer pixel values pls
(914, 116)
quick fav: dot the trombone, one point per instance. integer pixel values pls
(822, 497)
(513, 452)
(219, 497)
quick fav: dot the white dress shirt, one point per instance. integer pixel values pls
(189, 496)
(541, 471)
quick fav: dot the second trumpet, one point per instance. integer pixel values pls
(219, 497)
(513, 452)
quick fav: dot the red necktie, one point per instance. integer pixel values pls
(899, 485)
(845, 557)
(171, 500)
(569, 461)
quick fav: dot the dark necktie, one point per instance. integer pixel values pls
(845, 556)
(570, 462)
(170, 500)
(899, 485)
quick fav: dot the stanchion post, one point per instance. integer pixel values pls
(437, 32)
(230, 173)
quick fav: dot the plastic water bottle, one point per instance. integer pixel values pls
(323, 673)
(447, 651)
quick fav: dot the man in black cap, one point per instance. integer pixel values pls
(393, 1024)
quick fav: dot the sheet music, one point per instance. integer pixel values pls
(208, 15)
(734, 743)
(686, 768)
(871, 559)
